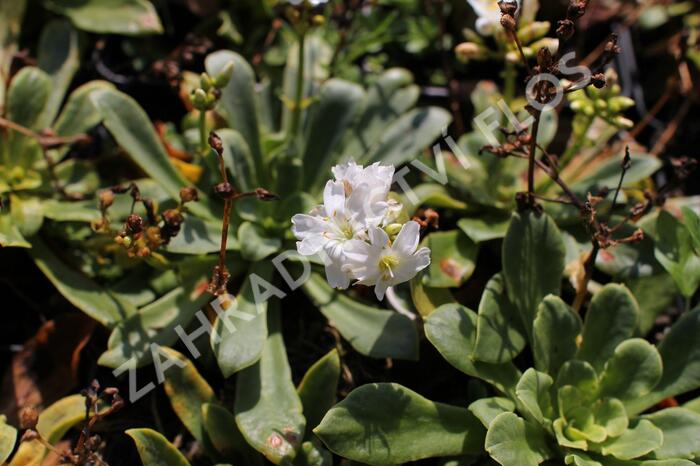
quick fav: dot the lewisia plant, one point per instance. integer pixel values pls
(357, 231)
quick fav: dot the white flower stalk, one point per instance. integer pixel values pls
(356, 209)
(383, 263)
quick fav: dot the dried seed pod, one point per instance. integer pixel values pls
(188, 194)
(216, 143)
(565, 29)
(28, 418)
(106, 199)
(134, 224)
(224, 190)
(265, 195)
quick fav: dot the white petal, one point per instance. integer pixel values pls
(311, 245)
(336, 277)
(407, 240)
(303, 225)
(334, 198)
(378, 237)
(380, 289)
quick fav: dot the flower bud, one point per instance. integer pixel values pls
(188, 194)
(508, 22)
(533, 31)
(393, 229)
(106, 199)
(199, 99)
(622, 122)
(224, 76)
(206, 82)
(622, 102)
(468, 50)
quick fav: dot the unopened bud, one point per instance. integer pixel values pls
(508, 22)
(224, 190)
(188, 194)
(393, 229)
(468, 50)
(224, 76)
(206, 82)
(199, 99)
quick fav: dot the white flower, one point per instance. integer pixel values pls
(356, 207)
(383, 263)
(489, 15)
(327, 228)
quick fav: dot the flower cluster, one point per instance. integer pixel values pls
(356, 231)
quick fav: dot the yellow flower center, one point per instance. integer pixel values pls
(386, 263)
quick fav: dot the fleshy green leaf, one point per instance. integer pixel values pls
(187, 391)
(128, 17)
(499, 334)
(533, 391)
(408, 135)
(80, 290)
(10, 236)
(453, 259)
(486, 409)
(268, 410)
(611, 318)
(512, 441)
(338, 105)
(254, 243)
(384, 424)
(533, 262)
(8, 438)
(632, 371)
(452, 330)
(238, 104)
(28, 96)
(79, 114)
(692, 223)
(555, 330)
(154, 449)
(221, 429)
(681, 429)
(608, 173)
(428, 299)
(133, 131)
(242, 328)
(59, 57)
(317, 390)
(579, 374)
(198, 236)
(680, 353)
(485, 227)
(239, 159)
(637, 441)
(371, 331)
(675, 252)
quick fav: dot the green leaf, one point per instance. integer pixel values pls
(428, 299)
(187, 390)
(130, 341)
(27, 213)
(681, 429)
(680, 354)
(555, 330)
(408, 135)
(8, 438)
(637, 441)
(371, 331)
(79, 114)
(68, 211)
(241, 331)
(128, 17)
(654, 294)
(384, 424)
(533, 391)
(11, 14)
(452, 330)
(393, 93)
(59, 57)
(238, 104)
(317, 390)
(311, 454)
(485, 227)
(133, 131)
(692, 223)
(154, 449)
(632, 371)
(268, 409)
(80, 290)
(10, 236)
(338, 105)
(611, 318)
(610, 414)
(254, 243)
(512, 441)
(434, 195)
(608, 173)
(200, 237)
(486, 409)
(578, 459)
(499, 334)
(453, 259)
(533, 262)
(28, 96)
(221, 429)
(579, 374)
(675, 252)
(239, 159)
